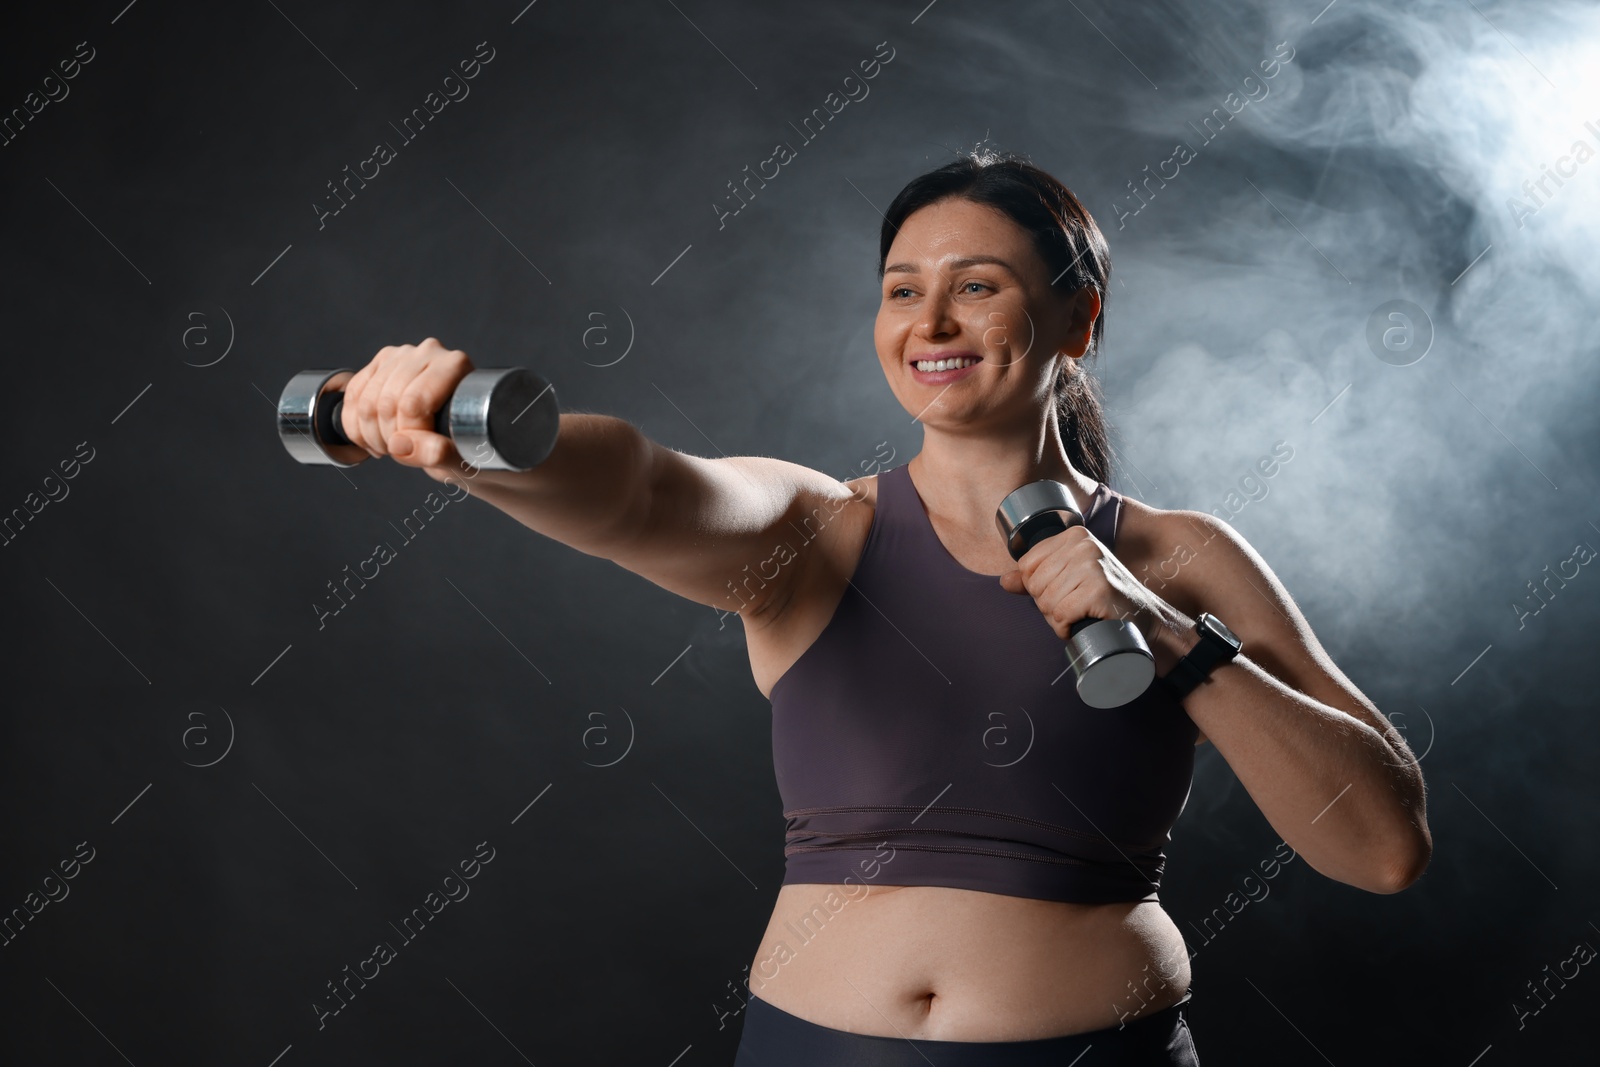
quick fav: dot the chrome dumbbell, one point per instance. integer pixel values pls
(1109, 657)
(500, 418)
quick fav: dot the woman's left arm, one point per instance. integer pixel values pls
(1329, 772)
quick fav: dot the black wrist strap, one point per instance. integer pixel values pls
(1209, 652)
(1185, 675)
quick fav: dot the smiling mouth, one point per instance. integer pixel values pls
(951, 363)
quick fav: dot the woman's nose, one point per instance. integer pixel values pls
(935, 320)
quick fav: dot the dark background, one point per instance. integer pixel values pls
(160, 215)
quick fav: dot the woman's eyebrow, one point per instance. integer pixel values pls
(955, 264)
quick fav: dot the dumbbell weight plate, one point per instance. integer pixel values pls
(298, 407)
(504, 419)
(1111, 662)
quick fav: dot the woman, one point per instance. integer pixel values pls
(973, 853)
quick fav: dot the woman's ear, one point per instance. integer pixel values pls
(1083, 310)
(1088, 306)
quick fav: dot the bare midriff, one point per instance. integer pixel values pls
(947, 964)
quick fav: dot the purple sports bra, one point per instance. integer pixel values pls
(931, 735)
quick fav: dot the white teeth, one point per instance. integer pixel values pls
(945, 364)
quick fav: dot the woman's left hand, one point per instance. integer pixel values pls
(1072, 576)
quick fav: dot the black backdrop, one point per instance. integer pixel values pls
(247, 801)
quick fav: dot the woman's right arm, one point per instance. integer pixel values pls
(721, 532)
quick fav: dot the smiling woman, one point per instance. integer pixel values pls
(1022, 902)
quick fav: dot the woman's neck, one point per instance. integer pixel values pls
(964, 477)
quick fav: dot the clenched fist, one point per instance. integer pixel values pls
(389, 405)
(1072, 576)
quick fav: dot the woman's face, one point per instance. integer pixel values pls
(964, 280)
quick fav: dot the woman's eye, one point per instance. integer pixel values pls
(896, 292)
(980, 285)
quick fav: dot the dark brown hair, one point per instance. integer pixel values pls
(1073, 249)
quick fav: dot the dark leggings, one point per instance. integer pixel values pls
(774, 1038)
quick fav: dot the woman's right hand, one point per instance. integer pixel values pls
(389, 404)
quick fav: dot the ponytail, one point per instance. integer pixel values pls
(1082, 421)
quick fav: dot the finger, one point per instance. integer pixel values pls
(432, 388)
(1069, 583)
(402, 372)
(414, 441)
(1063, 602)
(1041, 563)
(367, 404)
(1069, 538)
(425, 449)
(1015, 582)
(349, 420)
(391, 381)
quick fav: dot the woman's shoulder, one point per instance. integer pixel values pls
(863, 490)
(1167, 548)
(831, 530)
(1145, 524)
